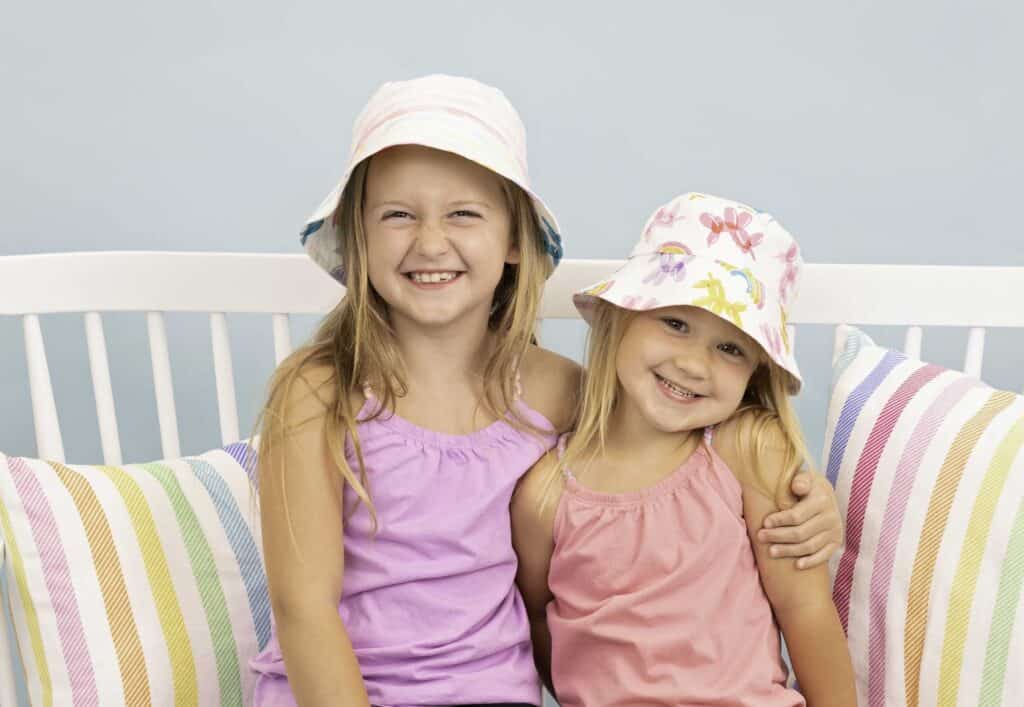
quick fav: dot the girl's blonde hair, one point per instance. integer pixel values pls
(356, 343)
(766, 405)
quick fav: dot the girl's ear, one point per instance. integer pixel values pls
(750, 394)
(513, 256)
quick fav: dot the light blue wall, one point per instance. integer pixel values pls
(879, 132)
(875, 131)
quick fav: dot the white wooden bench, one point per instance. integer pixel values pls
(220, 284)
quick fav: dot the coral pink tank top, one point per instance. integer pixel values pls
(658, 600)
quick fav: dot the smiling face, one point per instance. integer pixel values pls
(438, 235)
(683, 368)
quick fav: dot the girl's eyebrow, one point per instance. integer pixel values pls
(451, 205)
(389, 202)
(675, 312)
(470, 202)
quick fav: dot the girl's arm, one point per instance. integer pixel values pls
(301, 517)
(533, 539)
(811, 530)
(801, 600)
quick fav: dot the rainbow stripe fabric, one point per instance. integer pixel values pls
(928, 466)
(138, 585)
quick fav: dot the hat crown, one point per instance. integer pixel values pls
(727, 231)
(456, 97)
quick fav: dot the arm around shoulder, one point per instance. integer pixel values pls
(808, 528)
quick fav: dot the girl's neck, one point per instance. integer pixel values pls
(630, 437)
(444, 374)
(442, 358)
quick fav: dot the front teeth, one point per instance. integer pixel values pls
(427, 277)
(681, 392)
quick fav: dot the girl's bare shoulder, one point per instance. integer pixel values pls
(551, 385)
(314, 391)
(761, 434)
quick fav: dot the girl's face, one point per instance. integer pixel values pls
(438, 234)
(683, 368)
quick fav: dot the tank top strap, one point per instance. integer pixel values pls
(371, 404)
(563, 440)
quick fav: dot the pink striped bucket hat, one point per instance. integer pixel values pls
(720, 255)
(449, 113)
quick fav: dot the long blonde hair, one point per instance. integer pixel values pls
(766, 404)
(356, 342)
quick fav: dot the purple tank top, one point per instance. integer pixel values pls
(430, 602)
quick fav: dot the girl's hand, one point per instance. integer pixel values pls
(812, 529)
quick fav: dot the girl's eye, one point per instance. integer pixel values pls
(463, 213)
(676, 324)
(395, 214)
(731, 349)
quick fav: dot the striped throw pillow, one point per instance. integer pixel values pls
(136, 585)
(928, 466)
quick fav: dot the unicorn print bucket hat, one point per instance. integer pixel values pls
(449, 113)
(717, 254)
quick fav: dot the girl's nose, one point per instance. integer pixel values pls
(693, 362)
(431, 240)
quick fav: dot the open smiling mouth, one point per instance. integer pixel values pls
(675, 391)
(441, 277)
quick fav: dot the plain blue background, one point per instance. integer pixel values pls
(876, 132)
(879, 132)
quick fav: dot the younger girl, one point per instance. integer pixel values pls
(633, 539)
(392, 443)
